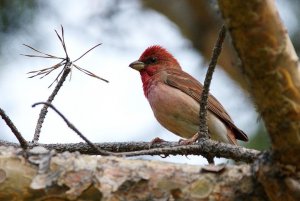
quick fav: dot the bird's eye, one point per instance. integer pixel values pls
(151, 60)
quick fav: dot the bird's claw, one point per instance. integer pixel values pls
(189, 141)
(156, 140)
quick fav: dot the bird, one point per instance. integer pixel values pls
(174, 97)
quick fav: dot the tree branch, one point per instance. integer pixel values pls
(271, 67)
(61, 77)
(72, 177)
(44, 110)
(70, 125)
(203, 129)
(14, 130)
(216, 149)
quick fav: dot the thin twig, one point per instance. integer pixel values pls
(62, 40)
(66, 70)
(60, 78)
(67, 66)
(13, 128)
(70, 125)
(46, 55)
(89, 73)
(87, 52)
(39, 56)
(46, 71)
(64, 61)
(203, 128)
(44, 110)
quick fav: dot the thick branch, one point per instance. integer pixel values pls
(70, 176)
(271, 67)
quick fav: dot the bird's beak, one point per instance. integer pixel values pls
(137, 65)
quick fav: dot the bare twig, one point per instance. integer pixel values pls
(70, 125)
(203, 148)
(62, 40)
(89, 73)
(42, 53)
(203, 128)
(87, 52)
(64, 61)
(216, 149)
(44, 110)
(13, 128)
(60, 78)
(46, 71)
(67, 67)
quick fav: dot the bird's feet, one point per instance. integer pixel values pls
(190, 140)
(156, 140)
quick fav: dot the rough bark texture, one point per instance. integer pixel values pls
(70, 176)
(271, 66)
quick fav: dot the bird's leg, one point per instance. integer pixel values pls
(156, 140)
(190, 140)
(209, 158)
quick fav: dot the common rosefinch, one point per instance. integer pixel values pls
(174, 97)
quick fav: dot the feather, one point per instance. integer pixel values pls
(189, 85)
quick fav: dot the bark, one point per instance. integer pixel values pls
(208, 147)
(271, 67)
(45, 175)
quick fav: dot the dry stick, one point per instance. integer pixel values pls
(13, 128)
(87, 52)
(217, 149)
(61, 76)
(44, 110)
(70, 125)
(203, 128)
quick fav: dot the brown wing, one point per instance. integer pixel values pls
(189, 85)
